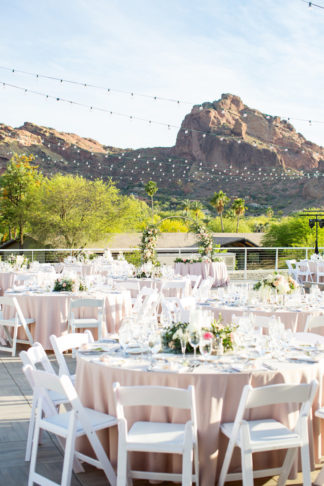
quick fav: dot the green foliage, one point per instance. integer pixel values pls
(239, 209)
(19, 186)
(133, 257)
(150, 189)
(173, 226)
(292, 231)
(219, 201)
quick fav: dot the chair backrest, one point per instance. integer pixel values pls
(36, 355)
(263, 321)
(128, 285)
(68, 341)
(302, 267)
(302, 394)
(290, 263)
(150, 304)
(160, 396)
(45, 382)
(13, 302)
(195, 280)
(77, 303)
(314, 322)
(173, 284)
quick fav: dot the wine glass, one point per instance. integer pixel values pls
(206, 344)
(183, 338)
(154, 344)
(194, 340)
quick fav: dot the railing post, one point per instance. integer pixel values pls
(32, 255)
(276, 263)
(245, 263)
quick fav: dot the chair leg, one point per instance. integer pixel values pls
(247, 468)
(196, 464)
(226, 463)
(287, 465)
(69, 453)
(32, 468)
(30, 431)
(306, 465)
(14, 341)
(102, 457)
(122, 468)
(187, 468)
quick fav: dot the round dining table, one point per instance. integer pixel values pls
(217, 393)
(293, 318)
(50, 311)
(217, 270)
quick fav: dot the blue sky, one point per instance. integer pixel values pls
(270, 53)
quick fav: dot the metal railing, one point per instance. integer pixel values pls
(241, 262)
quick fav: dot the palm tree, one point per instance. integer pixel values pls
(219, 201)
(196, 207)
(239, 209)
(186, 206)
(150, 189)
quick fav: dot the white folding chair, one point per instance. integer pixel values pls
(75, 323)
(21, 278)
(141, 296)
(36, 356)
(132, 286)
(303, 273)
(14, 324)
(202, 293)
(157, 437)
(268, 434)
(320, 272)
(314, 322)
(176, 288)
(195, 281)
(68, 342)
(78, 422)
(291, 264)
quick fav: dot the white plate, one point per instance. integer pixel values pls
(137, 350)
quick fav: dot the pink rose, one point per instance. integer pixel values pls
(64, 285)
(207, 335)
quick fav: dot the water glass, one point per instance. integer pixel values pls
(194, 340)
(206, 345)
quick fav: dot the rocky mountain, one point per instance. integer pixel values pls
(221, 145)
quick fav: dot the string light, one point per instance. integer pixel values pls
(133, 94)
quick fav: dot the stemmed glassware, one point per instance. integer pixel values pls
(154, 344)
(206, 344)
(194, 340)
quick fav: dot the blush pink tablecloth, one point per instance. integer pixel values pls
(293, 320)
(50, 312)
(217, 397)
(217, 270)
(6, 281)
(157, 283)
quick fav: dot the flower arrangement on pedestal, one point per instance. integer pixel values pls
(280, 283)
(148, 244)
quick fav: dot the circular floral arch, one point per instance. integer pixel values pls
(151, 232)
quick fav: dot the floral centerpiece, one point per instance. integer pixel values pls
(194, 259)
(280, 283)
(173, 333)
(69, 285)
(148, 244)
(17, 261)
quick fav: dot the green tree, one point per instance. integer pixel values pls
(18, 197)
(150, 189)
(269, 212)
(291, 231)
(196, 208)
(186, 206)
(74, 211)
(219, 201)
(239, 209)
